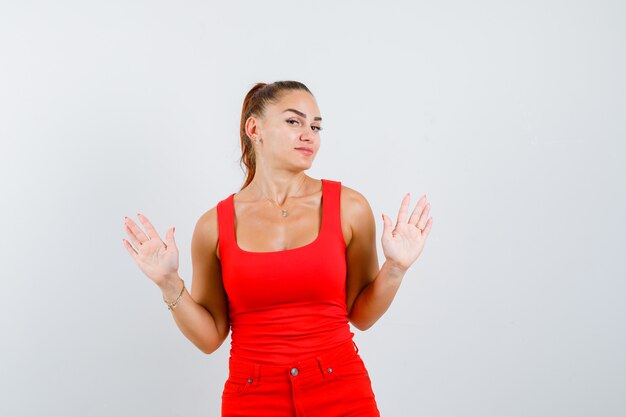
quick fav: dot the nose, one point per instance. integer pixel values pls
(307, 134)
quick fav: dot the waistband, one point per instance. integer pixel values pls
(253, 372)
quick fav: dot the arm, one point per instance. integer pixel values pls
(369, 290)
(202, 316)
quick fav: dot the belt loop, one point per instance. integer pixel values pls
(355, 346)
(326, 365)
(321, 366)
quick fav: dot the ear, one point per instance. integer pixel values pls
(252, 127)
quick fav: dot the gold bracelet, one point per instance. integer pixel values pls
(173, 305)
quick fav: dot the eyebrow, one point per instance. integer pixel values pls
(299, 113)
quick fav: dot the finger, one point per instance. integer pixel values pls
(169, 238)
(131, 235)
(131, 231)
(152, 233)
(387, 226)
(404, 209)
(426, 230)
(129, 248)
(136, 234)
(417, 211)
(424, 217)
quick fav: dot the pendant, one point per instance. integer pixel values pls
(284, 213)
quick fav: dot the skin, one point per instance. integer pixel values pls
(203, 314)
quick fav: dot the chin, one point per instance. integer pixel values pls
(303, 167)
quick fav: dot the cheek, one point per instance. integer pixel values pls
(281, 136)
(280, 148)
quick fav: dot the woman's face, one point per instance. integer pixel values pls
(289, 133)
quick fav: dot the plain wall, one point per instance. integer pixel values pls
(510, 116)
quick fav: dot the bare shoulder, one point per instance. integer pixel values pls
(205, 235)
(356, 212)
(353, 202)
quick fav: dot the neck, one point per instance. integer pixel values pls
(280, 187)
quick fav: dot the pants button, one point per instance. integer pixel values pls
(330, 370)
(294, 371)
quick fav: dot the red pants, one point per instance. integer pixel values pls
(330, 385)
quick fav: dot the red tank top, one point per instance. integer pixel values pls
(290, 304)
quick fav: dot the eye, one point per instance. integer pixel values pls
(319, 128)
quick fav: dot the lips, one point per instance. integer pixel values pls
(304, 149)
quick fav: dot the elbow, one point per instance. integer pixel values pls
(211, 346)
(362, 325)
(207, 349)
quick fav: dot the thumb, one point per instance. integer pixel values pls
(387, 226)
(169, 237)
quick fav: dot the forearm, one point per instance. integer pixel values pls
(376, 297)
(193, 320)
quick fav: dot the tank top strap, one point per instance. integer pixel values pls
(332, 208)
(225, 221)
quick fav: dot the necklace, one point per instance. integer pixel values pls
(284, 212)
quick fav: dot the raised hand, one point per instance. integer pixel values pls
(157, 259)
(403, 244)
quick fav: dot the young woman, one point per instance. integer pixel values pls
(286, 263)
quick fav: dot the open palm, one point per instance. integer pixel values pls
(157, 259)
(403, 244)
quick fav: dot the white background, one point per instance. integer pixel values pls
(510, 116)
